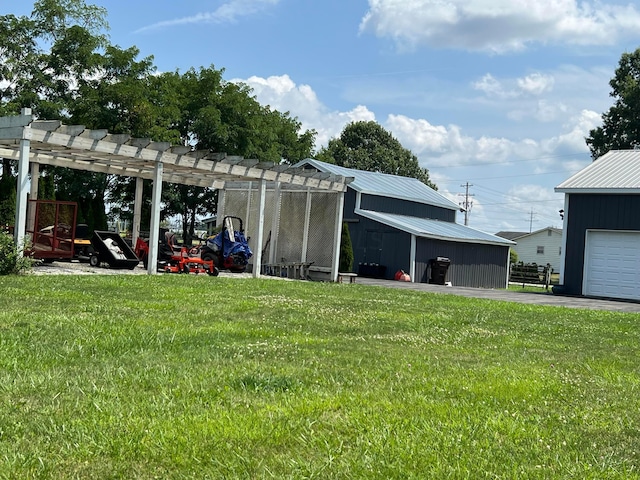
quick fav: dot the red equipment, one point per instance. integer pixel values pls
(401, 276)
(173, 258)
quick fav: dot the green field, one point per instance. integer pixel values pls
(176, 377)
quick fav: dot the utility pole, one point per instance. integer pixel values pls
(531, 220)
(467, 203)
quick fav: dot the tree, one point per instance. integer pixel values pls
(367, 146)
(621, 124)
(7, 195)
(346, 249)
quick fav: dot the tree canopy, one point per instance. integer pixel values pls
(368, 146)
(621, 124)
(59, 62)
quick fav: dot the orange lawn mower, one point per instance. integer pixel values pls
(173, 258)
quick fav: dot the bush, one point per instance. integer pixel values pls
(11, 260)
(346, 250)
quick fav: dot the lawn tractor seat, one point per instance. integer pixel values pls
(169, 247)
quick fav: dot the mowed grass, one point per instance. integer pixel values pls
(178, 376)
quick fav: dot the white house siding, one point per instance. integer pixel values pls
(527, 247)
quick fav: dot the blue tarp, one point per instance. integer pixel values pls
(230, 248)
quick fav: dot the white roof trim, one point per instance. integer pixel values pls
(74, 146)
(392, 221)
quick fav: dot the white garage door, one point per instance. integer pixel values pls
(612, 264)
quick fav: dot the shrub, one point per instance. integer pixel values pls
(346, 250)
(11, 260)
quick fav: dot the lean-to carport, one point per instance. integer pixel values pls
(33, 142)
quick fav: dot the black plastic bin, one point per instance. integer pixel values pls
(110, 248)
(439, 267)
(372, 270)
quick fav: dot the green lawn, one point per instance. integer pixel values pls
(177, 376)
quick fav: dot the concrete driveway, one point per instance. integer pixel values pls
(542, 298)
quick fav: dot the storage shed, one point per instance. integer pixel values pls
(399, 223)
(601, 234)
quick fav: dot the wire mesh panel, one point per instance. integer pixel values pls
(291, 228)
(252, 217)
(235, 204)
(284, 223)
(322, 226)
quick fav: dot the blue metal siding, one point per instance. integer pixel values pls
(593, 211)
(406, 207)
(374, 242)
(472, 265)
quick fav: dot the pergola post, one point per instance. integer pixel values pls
(220, 209)
(338, 236)
(257, 257)
(33, 195)
(23, 183)
(307, 221)
(412, 259)
(275, 223)
(137, 211)
(152, 266)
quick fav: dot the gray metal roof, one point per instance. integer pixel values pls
(511, 235)
(518, 235)
(617, 171)
(435, 229)
(385, 185)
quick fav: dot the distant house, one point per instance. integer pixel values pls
(399, 223)
(539, 247)
(601, 254)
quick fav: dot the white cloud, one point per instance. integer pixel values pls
(533, 85)
(576, 130)
(282, 94)
(499, 25)
(436, 145)
(227, 13)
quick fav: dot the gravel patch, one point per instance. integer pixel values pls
(75, 267)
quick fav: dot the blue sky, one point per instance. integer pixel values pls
(496, 93)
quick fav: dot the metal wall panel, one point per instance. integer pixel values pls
(592, 211)
(472, 264)
(405, 207)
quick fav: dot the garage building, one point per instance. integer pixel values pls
(601, 234)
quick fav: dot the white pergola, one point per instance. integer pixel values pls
(33, 142)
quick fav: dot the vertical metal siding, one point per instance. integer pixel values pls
(472, 265)
(405, 207)
(593, 211)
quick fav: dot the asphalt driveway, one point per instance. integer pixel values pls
(542, 298)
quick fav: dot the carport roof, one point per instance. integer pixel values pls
(74, 146)
(435, 229)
